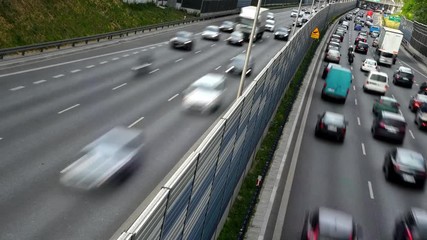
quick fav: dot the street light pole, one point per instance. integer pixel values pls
(312, 5)
(248, 51)
(296, 19)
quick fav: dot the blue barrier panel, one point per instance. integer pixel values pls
(193, 228)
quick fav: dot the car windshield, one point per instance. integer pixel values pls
(227, 23)
(371, 62)
(423, 108)
(406, 75)
(362, 45)
(212, 29)
(411, 158)
(334, 119)
(182, 34)
(378, 78)
(239, 61)
(200, 85)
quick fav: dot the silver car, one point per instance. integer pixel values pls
(236, 65)
(211, 33)
(270, 24)
(333, 56)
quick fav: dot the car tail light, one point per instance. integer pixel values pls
(382, 125)
(343, 130)
(424, 124)
(322, 125)
(408, 233)
(396, 167)
(417, 103)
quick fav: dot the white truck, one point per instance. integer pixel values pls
(388, 45)
(246, 19)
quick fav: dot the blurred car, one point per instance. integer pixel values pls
(404, 77)
(333, 45)
(390, 126)
(236, 38)
(416, 101)
(340, 33)
(327, 68)
(183, 40)
(227, 26)
(211, 33)
(411, 225)
(357, 27)
(332, 125)
(377, 82)
(282, 33)
(113, 156)
(335, 38)
(269, 25)
(375, 42)
(205, 94)
(294, 13)
(330, 224)
(375, 34)
(270, 15)
(405, 165)
(345, 24)
(333, 56)
(348, 17)
(342, 28)
(300, 21)
(369, 65)
(143, 64)
(387, 104)
(362, 47)
(421, 117)
(368, 23)
(360, 38)
(237, 64)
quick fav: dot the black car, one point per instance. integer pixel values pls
(237, 64)
(143, 64)
(326, 223)
(362, 47)
(404, 77)
(330, 124)
(411, 225)
(236, 38)
(183, 40)
(227, 26)
(405, 165)
(390, 126)
(282, 33)
(327, 68)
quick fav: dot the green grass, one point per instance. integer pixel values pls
(240, 207)
(36, 21)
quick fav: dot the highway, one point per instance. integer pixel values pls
(51, 108)
(349, 176)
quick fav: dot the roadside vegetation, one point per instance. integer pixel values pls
(36, 21)
(415, 10)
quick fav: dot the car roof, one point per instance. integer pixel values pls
(394, 116)
(117, 137)
(335, 223)
(405, 69)
(334, 115)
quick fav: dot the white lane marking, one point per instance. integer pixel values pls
(217, 67)
(174, 96)
(126, 55)
(363, 149)
(393, 96)
(75, 71)
(90, 66)
(352, 77)
(355, 101)
(152, 47)
(198, 52)
(229, 69)
(351, 67)
(354, 88)
(39, 81)
(17, 88)
(144, 50)
(69, 108)
(414, 69)
(136, 122)
(371, 192)
(155, 70)
(400, 111)
(231, 59)
(358, 121)
(103, 62)
(58, 76)
(412, 135)
(121, 85)
(213, 45)
(136, 52)
(178, 60)
(115, 59)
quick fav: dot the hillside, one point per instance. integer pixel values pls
(24, 22)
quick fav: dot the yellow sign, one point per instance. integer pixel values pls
(315, 34)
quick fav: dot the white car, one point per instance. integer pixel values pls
(294, 13)
(369, 65)
(269, 25)
(211, 32)
(270, 15)
(376, 82)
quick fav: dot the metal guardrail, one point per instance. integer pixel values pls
(196, 197)
(110, 35)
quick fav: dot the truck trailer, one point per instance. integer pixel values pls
(246, 19)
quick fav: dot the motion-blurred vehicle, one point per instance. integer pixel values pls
(270, 15)
(411, 225)
(237, 64)
(340, 33)
(143, 64)
(387, 104)
(269, 25)
(282, 33)
(342, 28)
(345, 24)
(294, 13)
(333, 45)
(421, 117)
(423, 88)
(330, 224)
(327, 68)
(331, 125)
(403, 77)
(211, 33)
(362, 47)
(375, 42)
(369, 65)
(357, 27)
(376, 82)
(205, 94)
(348, 17)
(337, 83)
(388, 125)
(300, 21)
(227, 26)
(113, 156)
(333, 56)
(235, 38)
(405, 165)
(335, 38)
(183, 40)
(246, 20)
(416, 101)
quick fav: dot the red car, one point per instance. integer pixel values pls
(416, 101)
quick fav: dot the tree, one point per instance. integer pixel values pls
(415, 10)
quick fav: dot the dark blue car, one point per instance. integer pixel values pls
(357, 27)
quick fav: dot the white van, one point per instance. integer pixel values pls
(376, 82)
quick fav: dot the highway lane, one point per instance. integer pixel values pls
(349, 177)
(43, 125)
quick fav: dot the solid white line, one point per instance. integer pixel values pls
(363, 149)
(229, 69)
(115, 59)
(103, 62)
(75, 71)
(217, 67)
(412, 135)
(354, 88)
(198, 52)
(358, 121)
(58, 76)
(16, 88)
(174, 96)
(155, 70)
(39, 81)
(178, 60)
(126, 55)
(137, 121)
(90, 66)
(355, 101)
(121, 85)
(371, 192)
(74, 106)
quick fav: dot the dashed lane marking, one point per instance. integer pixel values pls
(75, 71)
(136, 122)
(90, 66)
(103, 62)
(126, 55)
(198, 52)
(178, 60)
(217, 67)
(121, 85)
(371, 191)
(155, 70)
(115, 59)
(174, 96)
(69, 108)
(58, 76)
(39, 81)
(358, 121)
(17, 88)
(412, 134)
(355, 101)
(363, 149)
